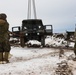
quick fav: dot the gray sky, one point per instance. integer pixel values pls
(60, 13)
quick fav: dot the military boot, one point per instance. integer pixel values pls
(6, 55)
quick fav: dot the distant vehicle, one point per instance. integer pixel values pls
(70, 36)
(32, 29)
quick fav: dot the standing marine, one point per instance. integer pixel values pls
(4, 38)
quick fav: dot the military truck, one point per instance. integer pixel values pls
(32, 29)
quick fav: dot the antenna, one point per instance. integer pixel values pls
(29, 9)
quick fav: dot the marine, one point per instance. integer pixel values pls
(4, 38)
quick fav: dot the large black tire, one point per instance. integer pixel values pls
(22, 42)
(43, 41)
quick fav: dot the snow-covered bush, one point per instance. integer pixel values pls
(55, 42)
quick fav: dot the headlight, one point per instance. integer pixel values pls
(38, 33)
(39, 26)
(26, 34)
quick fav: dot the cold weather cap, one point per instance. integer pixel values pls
(3, 16)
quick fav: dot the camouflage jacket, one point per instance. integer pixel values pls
(3, 30)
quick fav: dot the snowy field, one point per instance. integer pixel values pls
(36, 61)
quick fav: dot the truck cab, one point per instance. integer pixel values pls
(33, 29)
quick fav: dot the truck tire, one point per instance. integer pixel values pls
(43, 41)
(22, 43)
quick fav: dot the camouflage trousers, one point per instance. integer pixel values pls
(5, 46)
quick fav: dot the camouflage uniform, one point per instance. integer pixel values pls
(4, 37)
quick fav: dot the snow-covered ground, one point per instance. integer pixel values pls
(36, 61)
(56, 42)
(39, 61)
(50, 41)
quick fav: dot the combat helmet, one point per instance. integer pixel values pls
(3, 16)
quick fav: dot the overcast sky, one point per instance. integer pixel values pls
(60, 13)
